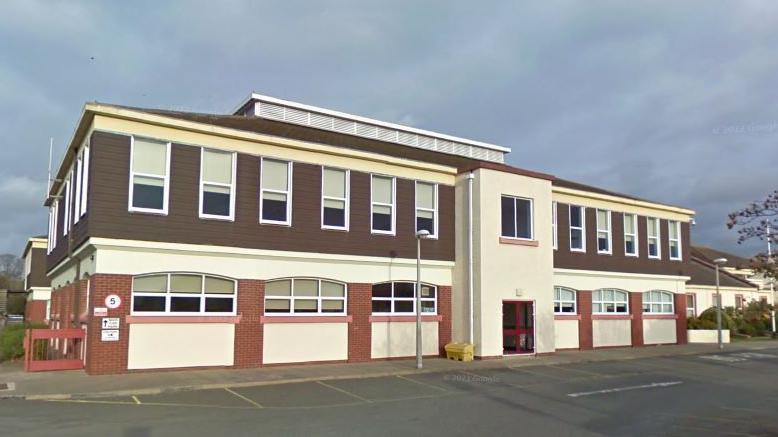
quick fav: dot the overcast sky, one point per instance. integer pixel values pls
(671, 101)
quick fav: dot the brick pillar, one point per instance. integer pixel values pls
(636, 309)
(35, 311)
(249, 333)
(680, 321)
(104, 357)
(444, 309)
(360, 308)
(585, 339)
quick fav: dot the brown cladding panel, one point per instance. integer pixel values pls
(37, 276)
(110, 218)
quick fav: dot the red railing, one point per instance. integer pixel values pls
(53, 349)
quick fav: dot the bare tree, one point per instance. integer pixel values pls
(759, 220)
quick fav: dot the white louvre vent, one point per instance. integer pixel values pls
(290, 112)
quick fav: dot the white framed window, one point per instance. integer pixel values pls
(654, 246)
(85, 180)
(565, 301)
(335, 194)
(674, 239)
(217, 184)
(52, 240)
(577, 228)
(604, 235)
(610, 301)
(399, 298)
(305, 296)
(77, 187)
(630, 235)
(275, 188)
(427, 208)
(383, 197)
(553, 226)
(658, 302)
(183, 294)
(68, 198)
(691, 305)
(516, 214)
(149, 175)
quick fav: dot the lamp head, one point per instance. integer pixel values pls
(422, 234)
(720, 261)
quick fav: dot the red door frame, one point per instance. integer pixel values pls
(518, 330)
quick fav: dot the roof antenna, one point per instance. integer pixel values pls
(48, 181)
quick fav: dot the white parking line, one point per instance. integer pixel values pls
(345, 392)
(619, 389)
(251, 401)
(723, 358)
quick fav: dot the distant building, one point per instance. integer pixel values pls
(37, 285)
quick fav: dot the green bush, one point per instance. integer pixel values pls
(727, 322)
(12, 340)
(697, 323)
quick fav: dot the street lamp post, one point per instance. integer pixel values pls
(420, 235)
(718, 262)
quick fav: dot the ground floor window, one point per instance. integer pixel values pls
(400, 298)
(691, 305)
(305, 296)
(564, 301)
(183, 294)
(610, 301)
(658, 302)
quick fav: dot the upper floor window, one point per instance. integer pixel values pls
(674, 229)
(77, 187)
(275, 203)
(68, 201)
(305, 296)
(516, 217)
(691, 305)
(400, 298)
(630, 235)
(52, 241)
(658, 302)
(553, 226)
(564, 301)
(149, 175)
(653, 237)
(603, 231)
(183, 294)
(84, 180)
(217, 184)
(334, 198)
(610, 301)
(427, 208)
(382, 201)
(577, 228)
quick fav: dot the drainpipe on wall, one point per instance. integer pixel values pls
(470, 279)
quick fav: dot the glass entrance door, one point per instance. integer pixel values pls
(518, 327)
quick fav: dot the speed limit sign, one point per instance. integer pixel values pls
(113, 301)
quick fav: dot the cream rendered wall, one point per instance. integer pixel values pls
(304, 342)
(707, 336)
(398, 339)
(65, 273)
(704, 296)
(632, 282)
(566, 334)
(511, 272)
(659, 331)
(460, 300)
(168, 345)
(614, 332)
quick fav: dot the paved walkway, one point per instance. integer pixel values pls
(74, 384)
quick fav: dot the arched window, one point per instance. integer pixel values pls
(610, 301)
(305, 296)
(658, 302)
(564, 301)
(399, 298)
(183, 294)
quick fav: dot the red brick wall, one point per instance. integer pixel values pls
(249, 333)
(35, 311)
(108, 357)
(360, 308)
(636, 309)
(680, 322)
(585, 338)
(444, 309)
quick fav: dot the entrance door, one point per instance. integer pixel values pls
(518, 328)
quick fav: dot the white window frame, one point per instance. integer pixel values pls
(658, 237)
(288, 192)
(231, 186)
(677, 225)
(52, 240)
(85, 180)
(693, 307)
(417, 208)
(582, 227)
(68, 201)
(554, 236)
(166, 180)
(346, 200)
(515, 217)
(77, 190)
(608, 231)
(405, 299)
(560, 301)
(602, 302)
(318, 298)
(169, 294)
(648, 301)
(393, 205)
(634, 234)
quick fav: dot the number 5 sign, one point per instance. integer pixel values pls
(113, 301)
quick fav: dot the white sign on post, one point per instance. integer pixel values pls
(109, 335)
(101, 311)
(113, 301)
(110, 323)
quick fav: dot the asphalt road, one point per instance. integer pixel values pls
(714, 394)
